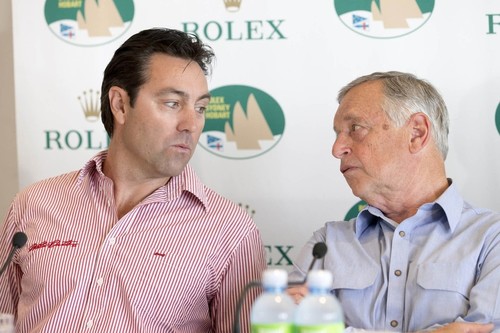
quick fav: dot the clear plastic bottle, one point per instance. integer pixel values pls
(273, 310)
(319, 311)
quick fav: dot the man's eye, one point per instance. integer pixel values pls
(172, 104)
(355, 127)
(201, 109)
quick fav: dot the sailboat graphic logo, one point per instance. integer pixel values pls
(241, 122)
(497, 118)
(384, 18)
(88, 22)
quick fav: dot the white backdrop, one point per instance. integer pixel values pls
(298, 54)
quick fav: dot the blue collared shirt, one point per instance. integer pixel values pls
(439, 266)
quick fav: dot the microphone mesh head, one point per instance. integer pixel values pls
(319, 250)
(19, 239)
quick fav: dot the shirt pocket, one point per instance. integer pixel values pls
(456, 277)
(354, 277)
(355, 284)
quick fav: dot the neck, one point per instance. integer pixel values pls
(420, 185)
(130, 186)
(405, 205)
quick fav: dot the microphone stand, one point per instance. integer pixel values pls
(318, 252)
(298, 283)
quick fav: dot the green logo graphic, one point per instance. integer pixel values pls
(89, 22)
(384, 18)
(497, 118)
(242, 122)
(354, 211)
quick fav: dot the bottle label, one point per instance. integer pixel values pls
(324, 328)
(272, 328)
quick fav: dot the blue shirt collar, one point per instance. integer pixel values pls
(450, 203)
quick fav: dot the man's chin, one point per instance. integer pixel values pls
(358, 191)
(172, 169)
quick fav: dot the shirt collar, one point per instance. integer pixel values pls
(95, 164)
(450, 202)
(187, 181)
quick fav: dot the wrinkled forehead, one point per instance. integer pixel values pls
(362, 111)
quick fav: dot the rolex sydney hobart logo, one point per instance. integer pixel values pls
(89, 22)
(384, 18)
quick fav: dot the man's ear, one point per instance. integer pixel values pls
(118, 100)
(420, 129)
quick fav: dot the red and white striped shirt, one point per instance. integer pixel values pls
(177, 262)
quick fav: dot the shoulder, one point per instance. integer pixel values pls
(49, 186)
(340, 226)
(480, 221)
(219, 205)
(335, 230)
(480, 211)
(479, 216)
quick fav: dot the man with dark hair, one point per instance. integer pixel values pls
(418, 257)
(134, 242)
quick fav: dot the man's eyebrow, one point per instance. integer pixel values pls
(167, 91)
(351, 117)
(181, 93)
(205, 96)
(348, 118)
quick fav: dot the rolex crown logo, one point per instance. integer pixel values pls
(90, 104)
(232, 5)
(250, 212)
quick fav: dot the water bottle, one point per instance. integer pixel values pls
(273, 310)
(319, 311)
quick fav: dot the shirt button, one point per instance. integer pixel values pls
(90, 323)
(100, 281)
(397, 272)
(402, 234)
(112, 241)
(394, 323)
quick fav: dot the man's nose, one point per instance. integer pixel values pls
(340, 146)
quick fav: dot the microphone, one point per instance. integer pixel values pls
(18, 241)
(318, 252)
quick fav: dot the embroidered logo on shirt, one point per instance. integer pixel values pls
(159, 254)
(54, 243)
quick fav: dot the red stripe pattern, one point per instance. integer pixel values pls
(177, 262)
